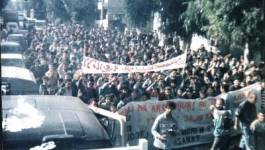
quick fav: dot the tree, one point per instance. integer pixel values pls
(193, 18)
(73, 10)
(3, 4)
(235, 22)
(40, 9)
(227, 22)
(140, 11)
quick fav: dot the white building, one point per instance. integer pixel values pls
(111, 13)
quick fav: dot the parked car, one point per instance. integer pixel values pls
(19, 38)
(57, 122)
(21, 16)
(22, 31)
(12, 27)
(15, 60)
(18, 81)
(40, 24)
(30, 23)
(11, 47)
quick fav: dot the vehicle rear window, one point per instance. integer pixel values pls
(12, 62)
(10, 49)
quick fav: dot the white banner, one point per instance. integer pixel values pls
(91, 65)
(193, 117)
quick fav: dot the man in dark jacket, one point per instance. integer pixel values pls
(245, 114)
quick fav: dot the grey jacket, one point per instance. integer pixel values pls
(164, 126)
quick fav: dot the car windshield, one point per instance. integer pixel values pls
(13, 38)
(31, 21)
(40, 24)
(12, 26)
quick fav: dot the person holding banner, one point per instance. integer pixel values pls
(222, 125)
(165, 128)
(245, 114)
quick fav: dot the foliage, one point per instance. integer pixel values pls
(40, 8)
(3, 3)
(74, 10)
(228, 22)
(140, 11)
(234, 22)
(193, 18)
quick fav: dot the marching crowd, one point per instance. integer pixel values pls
(56, 52)
(55, 56)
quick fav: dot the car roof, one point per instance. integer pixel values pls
(11, 56)
(47, 115)
(11, 23)
(30, 19)
(41, 21)
(17, 72)
(16, 35)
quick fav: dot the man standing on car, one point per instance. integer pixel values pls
(245, 114)
(165, 128)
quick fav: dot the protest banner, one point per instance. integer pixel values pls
(91, 65)
(193, 117)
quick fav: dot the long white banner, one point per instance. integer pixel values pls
(192, 116)
(91, 65)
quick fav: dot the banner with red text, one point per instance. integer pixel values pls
(193, 117)
(91, 65)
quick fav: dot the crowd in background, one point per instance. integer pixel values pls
(55, 56)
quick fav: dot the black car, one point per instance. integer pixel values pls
(61, 122)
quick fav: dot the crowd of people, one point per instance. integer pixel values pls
(56, 52)
(55, 56)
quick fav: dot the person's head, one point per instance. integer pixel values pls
(113, 108)
(179, 92)
(167, 91)
(170, 106)
(155, 92)
(45, 79)
(219, 103)
(224, 88)
(236, 83)
(65, 66)
(251, 97)
(134, 94)
(108, 99)
(173, 75)
(261, 116)
(68, 83)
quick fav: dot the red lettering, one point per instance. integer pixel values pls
(156, 108)
(185, 105)
(87, 63)
(202, 104)
(141, 108)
